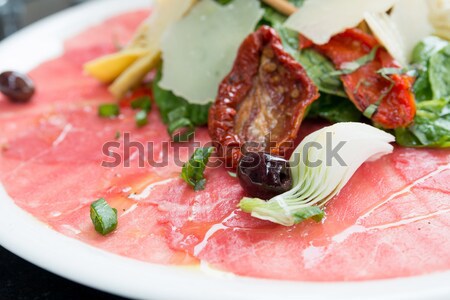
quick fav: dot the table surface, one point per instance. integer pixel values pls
(23, 281)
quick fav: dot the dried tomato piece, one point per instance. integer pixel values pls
(390, 100)
(262, 101)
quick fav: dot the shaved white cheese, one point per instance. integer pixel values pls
(400, 31)
(440, 17)
(319, 20)
(318, 175)
(388, 35)
(199, 50)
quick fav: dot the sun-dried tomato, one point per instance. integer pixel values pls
(262, 101)
(390, 100)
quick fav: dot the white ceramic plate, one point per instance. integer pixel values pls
(35, 242)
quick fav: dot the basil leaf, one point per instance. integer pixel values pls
(420, 57)
(439, 73)
(193, 170)
(319, 69)
(103, 217)
(334, 109)
(431, 127)
(350, 67)
(180, 116)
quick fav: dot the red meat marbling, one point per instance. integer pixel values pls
(391, 220)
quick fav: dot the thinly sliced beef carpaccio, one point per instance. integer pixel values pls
(391, 220)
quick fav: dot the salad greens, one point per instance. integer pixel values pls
(439, 73)
(431, 127)
(103, 217)
(421, 58)
(180, 116)
(334, 109)
(193, 170)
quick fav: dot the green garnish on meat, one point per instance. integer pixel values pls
(431, 126)
(193, 170)
(109, 110)
(103, 217)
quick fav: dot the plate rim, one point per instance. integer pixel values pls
(92, 267)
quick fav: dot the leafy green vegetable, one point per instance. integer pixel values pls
(193, 170)
(318, 68)
(108, 110)
(420, 58)
(427, 48)
(180, 116)
(431, 127)
(103, 217)
(334, 109)
(439, 73)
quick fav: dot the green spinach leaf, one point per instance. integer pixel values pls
(193, 170)
(439, 73)
(420, 58)
(334, 109)
(319, 69)
(431, 127)
(180, 116)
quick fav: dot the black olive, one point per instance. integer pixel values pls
(264, 176)
(18, 87)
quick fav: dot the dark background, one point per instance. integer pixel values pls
(19, 279)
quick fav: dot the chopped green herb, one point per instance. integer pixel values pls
(193, 170)
(141, 118)
(371, 110)
(103, 217)
(350, 67)
(143, 103)
(117, 136)
(108, 110)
